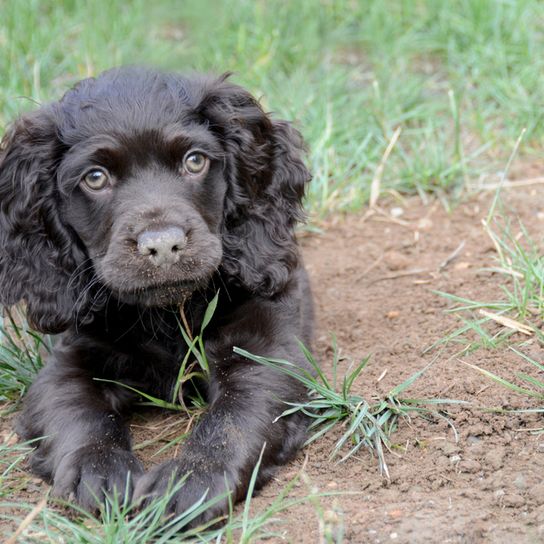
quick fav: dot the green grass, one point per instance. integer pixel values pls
(11, 459)
(531, 387)
(460, 78)
(518, 271)
(333, 405)
(515, 316)
(21, 355)
(121, 522)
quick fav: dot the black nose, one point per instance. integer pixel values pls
(163, 247)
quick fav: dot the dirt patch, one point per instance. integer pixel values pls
(374, 279)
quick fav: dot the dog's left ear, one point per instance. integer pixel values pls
(38, 255)
(266, 183)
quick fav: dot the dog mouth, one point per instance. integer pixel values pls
(160, 294)
(165, 286)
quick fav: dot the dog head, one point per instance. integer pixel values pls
(141, 185)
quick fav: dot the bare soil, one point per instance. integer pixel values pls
(374, 279)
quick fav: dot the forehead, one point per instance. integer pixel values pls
(128, 118)
(130, 102)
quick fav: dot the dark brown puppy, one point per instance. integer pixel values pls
(137, 192)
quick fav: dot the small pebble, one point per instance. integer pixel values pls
(425, 224)
(536, 492)
(520, 482)
(513, 501)
(495, 458)
(499, 494)
(449, 448)
(395, 260)
(470, 466)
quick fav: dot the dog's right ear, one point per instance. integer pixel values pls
(38, 256)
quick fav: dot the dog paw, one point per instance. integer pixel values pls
(185, 489)
(87, 475)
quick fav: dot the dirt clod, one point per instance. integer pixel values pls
(513, 501)
(470, 466)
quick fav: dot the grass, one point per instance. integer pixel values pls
(514, 318)
(459, 78)
(21, 355)
(532, 387)
(516, 313)
(520, 309)
(12, 456)
(120, 522)
(332, 404)
(189, 372)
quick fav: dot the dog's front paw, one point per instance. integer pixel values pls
(191, 486)
(86, 475)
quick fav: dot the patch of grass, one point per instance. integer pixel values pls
(46, 46)
(332, 405)
(22, 353)
(517, 312)
(11, 457)
(448, 73)
(118, 522)
(196, 369)
(532, 387)
(121, 522)
(519, 261)
(460, 78)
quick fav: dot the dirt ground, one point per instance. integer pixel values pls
(374, 279)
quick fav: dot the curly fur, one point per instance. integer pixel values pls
(70, 257)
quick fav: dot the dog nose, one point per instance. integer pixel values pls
(163, 247)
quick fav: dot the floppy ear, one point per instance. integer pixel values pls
(266, 182)
(38, 256)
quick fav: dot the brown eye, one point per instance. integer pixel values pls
(195, 162)
(96, 179)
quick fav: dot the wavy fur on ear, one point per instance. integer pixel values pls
(38, 255)
(267, 179)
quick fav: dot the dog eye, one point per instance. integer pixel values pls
(195, 162)
(96, 179)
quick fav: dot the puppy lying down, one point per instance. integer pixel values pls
(138, 194)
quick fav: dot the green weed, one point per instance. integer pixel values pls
(518, 310)
(22, 353)
(332, 405)
(532, 387)
(121, 522)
